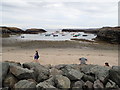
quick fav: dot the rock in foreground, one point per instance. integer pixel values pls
(31, 76)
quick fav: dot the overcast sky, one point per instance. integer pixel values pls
(49, 14)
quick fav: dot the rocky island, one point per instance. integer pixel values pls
(11, 30)
(15, 30)
(35, 30)
(35, 76)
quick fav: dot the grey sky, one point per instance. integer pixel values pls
(59, 13)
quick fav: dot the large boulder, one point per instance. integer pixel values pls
(10, 81)
(54, 71)
(3, 71)
(71, 73)
(74, 74)
(88, 78)
(86, 68)
(62, 66)
(100, 72)
(57, 81)
(88, 85)
(13, 63)
(110, 84)
(78, 84)
(62, 82)
(41, 73)
(98, 84)
(21, 73)
(25, 85)
(45, 86)
(115, 74)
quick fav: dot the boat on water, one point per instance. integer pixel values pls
(55, 35)
(22, 36)
(76, 35)
(63, 34)
(47, 34)
(84, 35)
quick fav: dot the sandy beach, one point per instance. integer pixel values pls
(59, 52)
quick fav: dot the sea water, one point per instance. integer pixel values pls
(60, 36)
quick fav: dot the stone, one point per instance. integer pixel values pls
(86, 68)
(54, 71)
(78, 84)
(41, 73)
(100, 72)
(60, 66)
(88, 85)
(111, 84)
(13, 63)
(25, 85)
(9, 81)
(45, 86)
(21, 73)
(115, 74)
(5, 88)
(4, 72)
(32, 80)
(72, 74)
(98, 85)
(62, 82)
(30, 65)
(88, 78)
(48, 66)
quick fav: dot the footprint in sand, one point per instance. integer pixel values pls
(100, 55)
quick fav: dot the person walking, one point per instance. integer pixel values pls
(36, 56)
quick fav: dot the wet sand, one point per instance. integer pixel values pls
(63, 52)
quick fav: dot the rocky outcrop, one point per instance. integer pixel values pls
(35, 30)
(109, 34)
(73, 76)
(81, 30)
(15, 30)
(11, 30)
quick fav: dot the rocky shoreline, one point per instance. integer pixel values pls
(108, 34)
(15, 30)
(34, 76)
